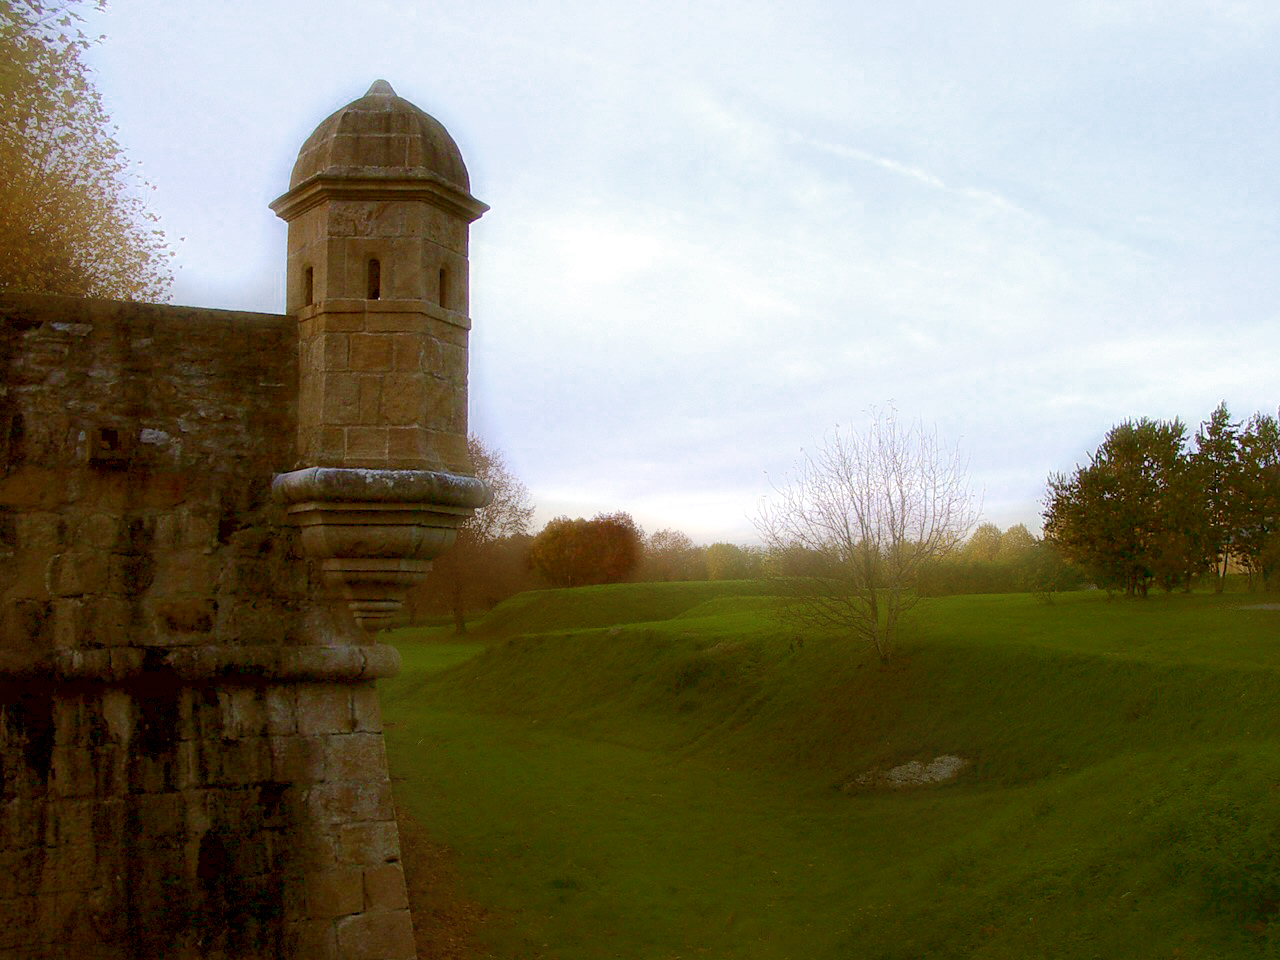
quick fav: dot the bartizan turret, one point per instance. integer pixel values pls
(379, 209)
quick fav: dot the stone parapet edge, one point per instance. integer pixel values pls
(361, 485)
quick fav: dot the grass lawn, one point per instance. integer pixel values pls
(661, 771)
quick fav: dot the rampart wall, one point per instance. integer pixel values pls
(191, 758)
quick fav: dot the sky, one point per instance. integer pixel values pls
(721, 229)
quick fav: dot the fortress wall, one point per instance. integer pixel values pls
(137, 447)
(191, 757)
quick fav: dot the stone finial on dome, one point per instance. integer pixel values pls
(380, 88)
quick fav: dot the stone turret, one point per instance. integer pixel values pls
(379, 208)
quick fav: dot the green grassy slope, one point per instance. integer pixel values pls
(662, 770)
(543, 611)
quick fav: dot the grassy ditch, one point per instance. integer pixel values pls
(661, 770)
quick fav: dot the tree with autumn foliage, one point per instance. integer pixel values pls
(577, 553)
(487, 561)
(72, 217)
(670, 555)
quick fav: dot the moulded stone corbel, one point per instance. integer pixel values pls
(375, 532)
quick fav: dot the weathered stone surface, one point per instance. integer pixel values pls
(912, 774)
(312, 939)
(299, 760)
(336, 893)
(337, 802)
(305, 664)
(352, 757)
(384, 888)
(377, 935)
(323, 710)
(366, 708)
(368, 843)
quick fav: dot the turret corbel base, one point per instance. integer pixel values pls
(375, 531)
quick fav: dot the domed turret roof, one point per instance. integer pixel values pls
(381, 135)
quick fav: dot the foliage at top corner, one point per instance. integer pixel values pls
(73, 219)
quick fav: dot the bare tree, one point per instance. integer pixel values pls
(486, 562)
(876, 506)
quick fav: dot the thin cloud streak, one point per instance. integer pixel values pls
(864, 156)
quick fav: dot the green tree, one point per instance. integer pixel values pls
(728, 561)
(796, 561)
(1219, 471)
(671, 555)
(1124, 517)
(72, 217)
(1010, 562)
(983, 544)
(1257, 537)
(1015, 544)
(1046, 572)
(878, 505)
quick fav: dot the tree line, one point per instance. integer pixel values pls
(1153, 506)
(496, 556)
(996, 561)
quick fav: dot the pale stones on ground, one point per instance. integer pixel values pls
(914, 774)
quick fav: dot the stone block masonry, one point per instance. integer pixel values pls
(156, 817)
(205, 517)
(191, 759)
(387, 385)
(135, 477)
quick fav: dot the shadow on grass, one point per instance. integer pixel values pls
(445, 921)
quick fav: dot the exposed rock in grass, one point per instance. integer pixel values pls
(913, 774)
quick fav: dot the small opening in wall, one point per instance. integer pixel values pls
(308, 286)
(443, 289)
(375, 280)
(107, 445)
